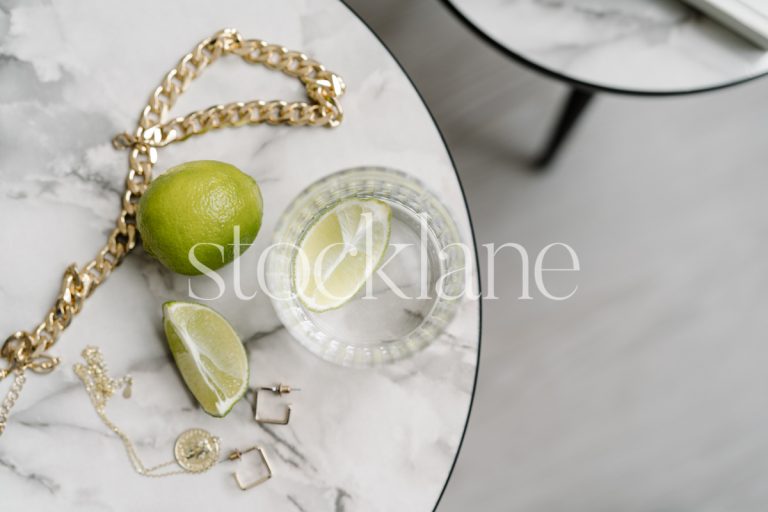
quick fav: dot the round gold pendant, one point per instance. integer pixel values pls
(196, 450)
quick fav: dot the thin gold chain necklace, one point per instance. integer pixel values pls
(28, 350)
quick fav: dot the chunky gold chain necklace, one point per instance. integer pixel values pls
(27, 350)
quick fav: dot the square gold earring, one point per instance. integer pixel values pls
(237, 454)
(280, 389)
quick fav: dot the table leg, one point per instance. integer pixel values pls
(578, 100)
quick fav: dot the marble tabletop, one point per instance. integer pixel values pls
(638, 46)
(76, 72)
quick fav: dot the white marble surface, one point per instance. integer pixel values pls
(630, 45)
(73, 74)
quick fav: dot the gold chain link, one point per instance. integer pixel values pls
(26, 350)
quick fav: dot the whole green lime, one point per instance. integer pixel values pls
(190, 213)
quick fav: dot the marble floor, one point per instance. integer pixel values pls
(646, 391)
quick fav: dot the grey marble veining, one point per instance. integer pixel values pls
(631, 45)
(74, 73)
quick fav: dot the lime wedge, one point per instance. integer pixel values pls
(208, 353)
(340, 251)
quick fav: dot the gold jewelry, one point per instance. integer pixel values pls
(237, 454)
(195, 451)
(26, 350)
(280, 389)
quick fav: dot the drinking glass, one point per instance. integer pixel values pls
(425, 262)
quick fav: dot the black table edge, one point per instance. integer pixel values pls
(575, 82)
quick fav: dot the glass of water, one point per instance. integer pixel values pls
(415, 293)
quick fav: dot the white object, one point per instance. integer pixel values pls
(634, 46)
(748, 18)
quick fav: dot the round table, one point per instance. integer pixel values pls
(645, 47)
(368, 440)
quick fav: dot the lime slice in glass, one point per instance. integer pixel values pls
(340, 251)
(208, 353)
